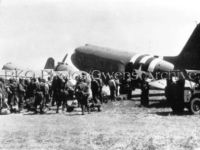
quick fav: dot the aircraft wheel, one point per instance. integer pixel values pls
(195, 106)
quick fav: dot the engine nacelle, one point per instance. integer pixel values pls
(160, 65)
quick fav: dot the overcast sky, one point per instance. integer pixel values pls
(33, 30)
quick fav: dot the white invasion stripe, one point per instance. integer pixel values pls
(144, 59)
(133, 59)
(153, 64)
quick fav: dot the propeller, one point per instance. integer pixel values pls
(64, 59)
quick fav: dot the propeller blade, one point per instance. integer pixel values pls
(63, 61)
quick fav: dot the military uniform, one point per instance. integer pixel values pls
(95, 90)
(49, 85)
(31, 89)
(39, 96)
(64, 94)
(59, 92)
(117, 82)
(82, 94)
(112, 86)
(12, 95)
(145, 93)
(129, 88)
(55, 89)
(21, 94)
(2, 95)
(100, 81)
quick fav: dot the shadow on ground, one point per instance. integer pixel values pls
(170, 113)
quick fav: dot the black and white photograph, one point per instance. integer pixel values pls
(99, 75)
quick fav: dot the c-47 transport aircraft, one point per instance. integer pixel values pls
(90, 57)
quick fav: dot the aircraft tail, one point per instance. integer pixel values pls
(189, 58)
(50, 64)
(193, 44)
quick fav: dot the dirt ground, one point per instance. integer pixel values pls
(122, 125)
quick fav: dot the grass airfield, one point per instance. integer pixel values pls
(121, 125)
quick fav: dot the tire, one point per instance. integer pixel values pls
(195, 106)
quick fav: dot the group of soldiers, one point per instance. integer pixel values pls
(38, 95)
(16, 95)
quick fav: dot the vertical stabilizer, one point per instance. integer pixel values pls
(50, 64)
(189, 58)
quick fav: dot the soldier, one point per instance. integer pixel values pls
(85, 78)
(63, 94)
(168, 89)
(3, 102)
(46, 99)
(32, 87)
(55, 89)
(145, 91)
(30, 93)
(95, 90)
(26, 84)
(112, 86)
(21, 93)
(1, 94)
(69, 94)
(49, 84)
(117, 82)
(82, 94)
(127, 81)
(58, 86)
(12, 95)
(39, 96)
(100, 83)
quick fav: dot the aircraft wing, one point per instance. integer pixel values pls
(10, 66)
